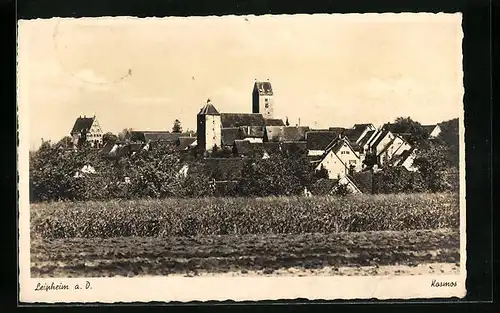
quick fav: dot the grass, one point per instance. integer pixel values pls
(243, 216)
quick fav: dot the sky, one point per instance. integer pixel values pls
(325, 69)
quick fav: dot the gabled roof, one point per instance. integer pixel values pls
(367, 137)
(399, 160)
(363, 126)
(208, 109)
(82, 124)
(274, 122)
(241, 119)
(286, 133)
(319, 140)
(264, 88)
(339, 143)
(229, 135)
(384, 133)
(354, 133)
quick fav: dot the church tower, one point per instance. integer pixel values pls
(208, 130)
(263, 99)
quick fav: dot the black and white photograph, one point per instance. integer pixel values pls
(241, 158)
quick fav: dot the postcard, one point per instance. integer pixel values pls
(241, 158)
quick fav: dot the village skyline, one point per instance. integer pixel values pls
(125, 71)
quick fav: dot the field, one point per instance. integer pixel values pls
(357, 235)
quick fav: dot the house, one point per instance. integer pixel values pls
(358, 132)
(432, 130)
(339, 159)
(406, 160)
(87, 129)
(117, 149)
(393, 149)
(318, 141)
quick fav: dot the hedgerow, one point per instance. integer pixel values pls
(237, 216)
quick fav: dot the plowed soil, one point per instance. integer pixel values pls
(362, 253)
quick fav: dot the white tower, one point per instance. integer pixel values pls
(208, 127)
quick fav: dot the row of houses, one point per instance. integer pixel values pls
(338, 150)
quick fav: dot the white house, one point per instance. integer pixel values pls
(87, 129)
(393, 149)
(339, 159)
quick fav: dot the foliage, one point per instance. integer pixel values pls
(321, 173)
(177, 128)
(417, 134)
(433, 163)
(449, 137)
(125, 134)
(240, 216)
(398, 180)
(108, 136)
(284, 173)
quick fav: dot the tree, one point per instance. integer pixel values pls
(433, 163)
(417, 134)
(280, 174)
(322, 173)
(108, 136)
(125, 134)
(449, 137)
(177, 128)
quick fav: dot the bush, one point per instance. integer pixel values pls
(237, 216)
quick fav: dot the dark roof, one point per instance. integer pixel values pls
(337, 129)
(379, 139)
(286, 133)
(245, 147)
(367, 137)
(145, 136)
(264, 88)
(274, 122)
(224, 168)
(252, 131)
(400, 159)
(209, 109)
(338, 143)
(183, 143)
(241, 119)
(299, 146)
(319, 140)
(363, 126)
(82, 124)
(354, 133)
(229, 135)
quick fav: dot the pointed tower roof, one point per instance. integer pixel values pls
(208, 109)
(263, 87)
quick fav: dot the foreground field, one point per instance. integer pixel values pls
(361, 253)
(243, 216)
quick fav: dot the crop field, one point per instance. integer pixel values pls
(240, 235)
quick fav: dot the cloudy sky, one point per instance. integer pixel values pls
(327, 70)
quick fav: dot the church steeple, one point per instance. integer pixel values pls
(263, 99)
